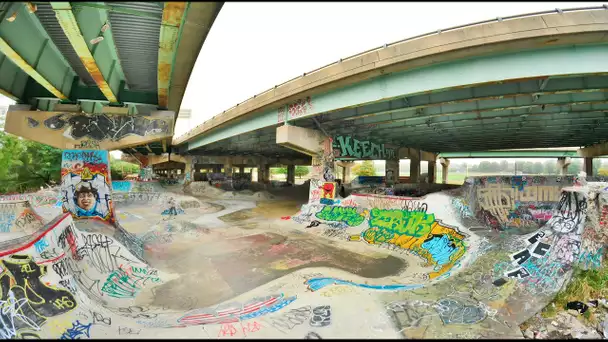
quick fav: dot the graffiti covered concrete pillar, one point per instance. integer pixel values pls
(320, 147)
(445, 164)
(588, 166)
(432, 171)
(86, 184)
(188, 168)
(228, 167)
(562, 165)
(391, 172)
(291, 174)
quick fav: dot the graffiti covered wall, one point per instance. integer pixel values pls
(392, 222)
(83, 131)
(86, 184)
(350, 147)
(524, 203)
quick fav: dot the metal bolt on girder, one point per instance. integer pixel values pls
(559, 10)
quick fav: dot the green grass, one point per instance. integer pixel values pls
(584, 286)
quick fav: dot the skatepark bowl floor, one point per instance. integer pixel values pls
(471, 262)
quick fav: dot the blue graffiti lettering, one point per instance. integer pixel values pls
(441, 249)
(41, 245)
(121, 186)
(76, 331)
(315, 284)
(6, 222)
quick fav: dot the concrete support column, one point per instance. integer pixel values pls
(588, 166)
(315, 144)
(432, 171)
(562, 165)
(228, 167)
(291, 174)
(445, 164)
(242, 170)
(347, 171)
(263, 173)
(415, 167)
(189, 168)
(391, 172)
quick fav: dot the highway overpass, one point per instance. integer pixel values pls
(99, 75)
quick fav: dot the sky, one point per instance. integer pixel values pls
(253, 46)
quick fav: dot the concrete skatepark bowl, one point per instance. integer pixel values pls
(366, 266)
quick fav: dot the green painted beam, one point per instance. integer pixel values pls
(116, 9)
(572, 60)
(174, 16)
(84, 93)
(83, 27)
(510, 154)
(36, 57)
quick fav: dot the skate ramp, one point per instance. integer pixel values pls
(203, 189)
(18, 218)
(457, 284)
(501, 247)
(47, 203)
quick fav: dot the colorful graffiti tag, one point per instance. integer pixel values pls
(85, 184)
(419, 232)
(348, 215)
(346, 146)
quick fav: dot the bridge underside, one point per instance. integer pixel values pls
(540, 112)
(116, 58)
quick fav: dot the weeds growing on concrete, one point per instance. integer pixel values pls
(585, 285)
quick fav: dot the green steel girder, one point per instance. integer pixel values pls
(483, 113)
(467, 122)
(174, 16)
(83, 93)
(113, 9)
(573, 61)
(36, 57)
(100, 60)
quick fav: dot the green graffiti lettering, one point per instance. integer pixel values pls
(401, 222)
(348, 215)
(351, 147)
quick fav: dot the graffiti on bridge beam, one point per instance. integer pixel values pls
(107, 127)
(295, 109)
(347, 146)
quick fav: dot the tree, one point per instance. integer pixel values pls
(537, 168)
(364, 169)
(504, 166)
(278, 170)
(27, 165)
(302, 171)
(120, 168)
